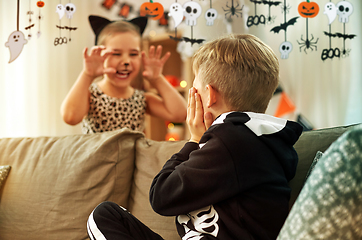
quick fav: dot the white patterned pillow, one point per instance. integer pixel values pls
(330, 203)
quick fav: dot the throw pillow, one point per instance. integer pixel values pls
(330, 204)
(4, 171)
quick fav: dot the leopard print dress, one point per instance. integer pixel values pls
(108, 113)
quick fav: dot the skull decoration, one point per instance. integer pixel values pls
(192, 12)
(344, 10)
(210, 15)
(285, 48)
(69, 10)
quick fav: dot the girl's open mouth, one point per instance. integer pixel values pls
(123, 74)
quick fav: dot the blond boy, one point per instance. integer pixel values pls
(230, 181)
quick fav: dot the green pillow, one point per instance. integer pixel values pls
(4, 171)
(330, 203)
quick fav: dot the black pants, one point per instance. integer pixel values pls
(110, 221)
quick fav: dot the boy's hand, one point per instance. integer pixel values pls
(93, 63)
(197, 121)
(153, 64)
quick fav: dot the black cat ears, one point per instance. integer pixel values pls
(98, 23)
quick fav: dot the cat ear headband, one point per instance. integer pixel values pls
(98, 23)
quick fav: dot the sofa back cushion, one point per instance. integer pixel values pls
(150, 158)
(56, 182)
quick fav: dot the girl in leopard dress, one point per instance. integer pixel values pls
(113, 103)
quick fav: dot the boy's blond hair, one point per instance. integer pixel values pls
(243, 69)
(117, 27)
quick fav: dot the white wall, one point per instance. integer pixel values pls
(33, 86)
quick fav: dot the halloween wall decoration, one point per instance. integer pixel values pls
(40, 5)
(16, 40)
(308, 10)
(256, 19)
(108, 4)
(153, 10)
(232, 10)
(343, 10)
(177, 14)
(125, 10)
(192, 11)
(68, 10)
(31, 24)
(210, 15)
(286, 47)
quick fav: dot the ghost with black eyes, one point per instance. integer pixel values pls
(15, 44)
(192, 10)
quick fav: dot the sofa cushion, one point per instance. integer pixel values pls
(330, 204)
(56, 182)
(309, 143)
(150, 158)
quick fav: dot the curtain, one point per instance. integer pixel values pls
(33, 86)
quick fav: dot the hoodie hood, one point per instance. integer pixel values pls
(278, 134)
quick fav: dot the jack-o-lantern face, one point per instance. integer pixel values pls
(308, 9)
(40, 4)
(151, 9)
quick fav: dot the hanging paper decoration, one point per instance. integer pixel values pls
(256, 19)
(344, 10)
(177, 14)
(16, 40)
(210, 15)
(270, 3)
(108, 4)
(286, 47)
(31, 24)
(233, 10)
(68, 10)
(125, 10)
(192, 13)
(164, 20)
(40, 4)
(308, 10)
(153, 10)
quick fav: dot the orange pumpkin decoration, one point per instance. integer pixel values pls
(40, 4)
(151, 9)
(308, 9)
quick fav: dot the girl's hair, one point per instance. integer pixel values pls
(243, 69)
(117, 27)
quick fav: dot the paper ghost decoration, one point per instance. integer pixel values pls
(15, 44)
(192, 12)
(331, 11)
(60, 10)
(177, 13)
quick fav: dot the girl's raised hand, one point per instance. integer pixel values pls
(153, 64)
(93, 63)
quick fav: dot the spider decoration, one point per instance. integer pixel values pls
(233, 10)
(286, 8)
(308, 44)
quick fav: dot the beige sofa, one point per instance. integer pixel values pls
(55, 182)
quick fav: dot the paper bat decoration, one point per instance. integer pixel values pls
(271, 3)
(192, 40)
(283, 26)
(67, 28)
(340, 35)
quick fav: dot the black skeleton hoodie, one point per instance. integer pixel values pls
(234, 183)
